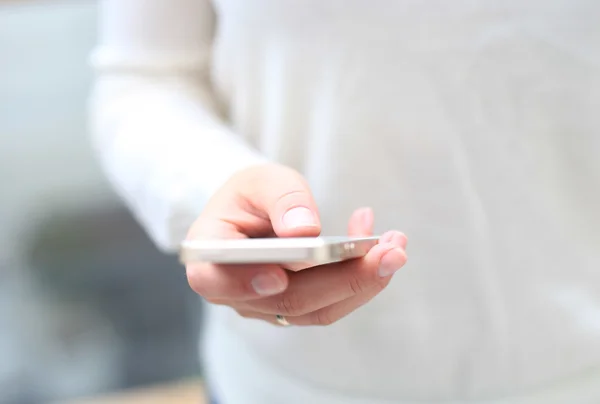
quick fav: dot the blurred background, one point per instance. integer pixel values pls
(87, 305)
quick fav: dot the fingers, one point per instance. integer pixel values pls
(259, 201)
(284, 196)
(312, 289)
(361, 223)
(276, 201)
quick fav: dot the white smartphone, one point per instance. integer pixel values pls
(291, 253)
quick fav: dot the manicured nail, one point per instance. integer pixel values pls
(267, 284)
(299, 217)
(392, 261)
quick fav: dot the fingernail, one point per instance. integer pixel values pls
(299, 217)
(392, 261)
(267, 284)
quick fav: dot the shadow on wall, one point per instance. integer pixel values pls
(117, 313)
(103, 260)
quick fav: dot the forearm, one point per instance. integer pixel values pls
(154, 121)
(164, 149)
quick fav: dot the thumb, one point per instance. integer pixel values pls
(284, 195)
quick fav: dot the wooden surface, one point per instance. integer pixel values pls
(186, 392)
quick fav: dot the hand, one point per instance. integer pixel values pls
(275, 201)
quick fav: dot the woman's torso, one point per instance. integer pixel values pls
(470, 125)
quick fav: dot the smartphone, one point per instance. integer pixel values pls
(291, 253)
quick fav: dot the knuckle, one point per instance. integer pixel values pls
(356, 285)
(291, 195)
(323, 318)
(290, 304)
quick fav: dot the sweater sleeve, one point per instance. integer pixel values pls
(154, 122)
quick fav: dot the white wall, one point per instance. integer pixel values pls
(45, 164)
(45, 157)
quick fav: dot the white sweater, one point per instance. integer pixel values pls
(473, 126)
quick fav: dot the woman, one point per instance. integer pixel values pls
(470, 126)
